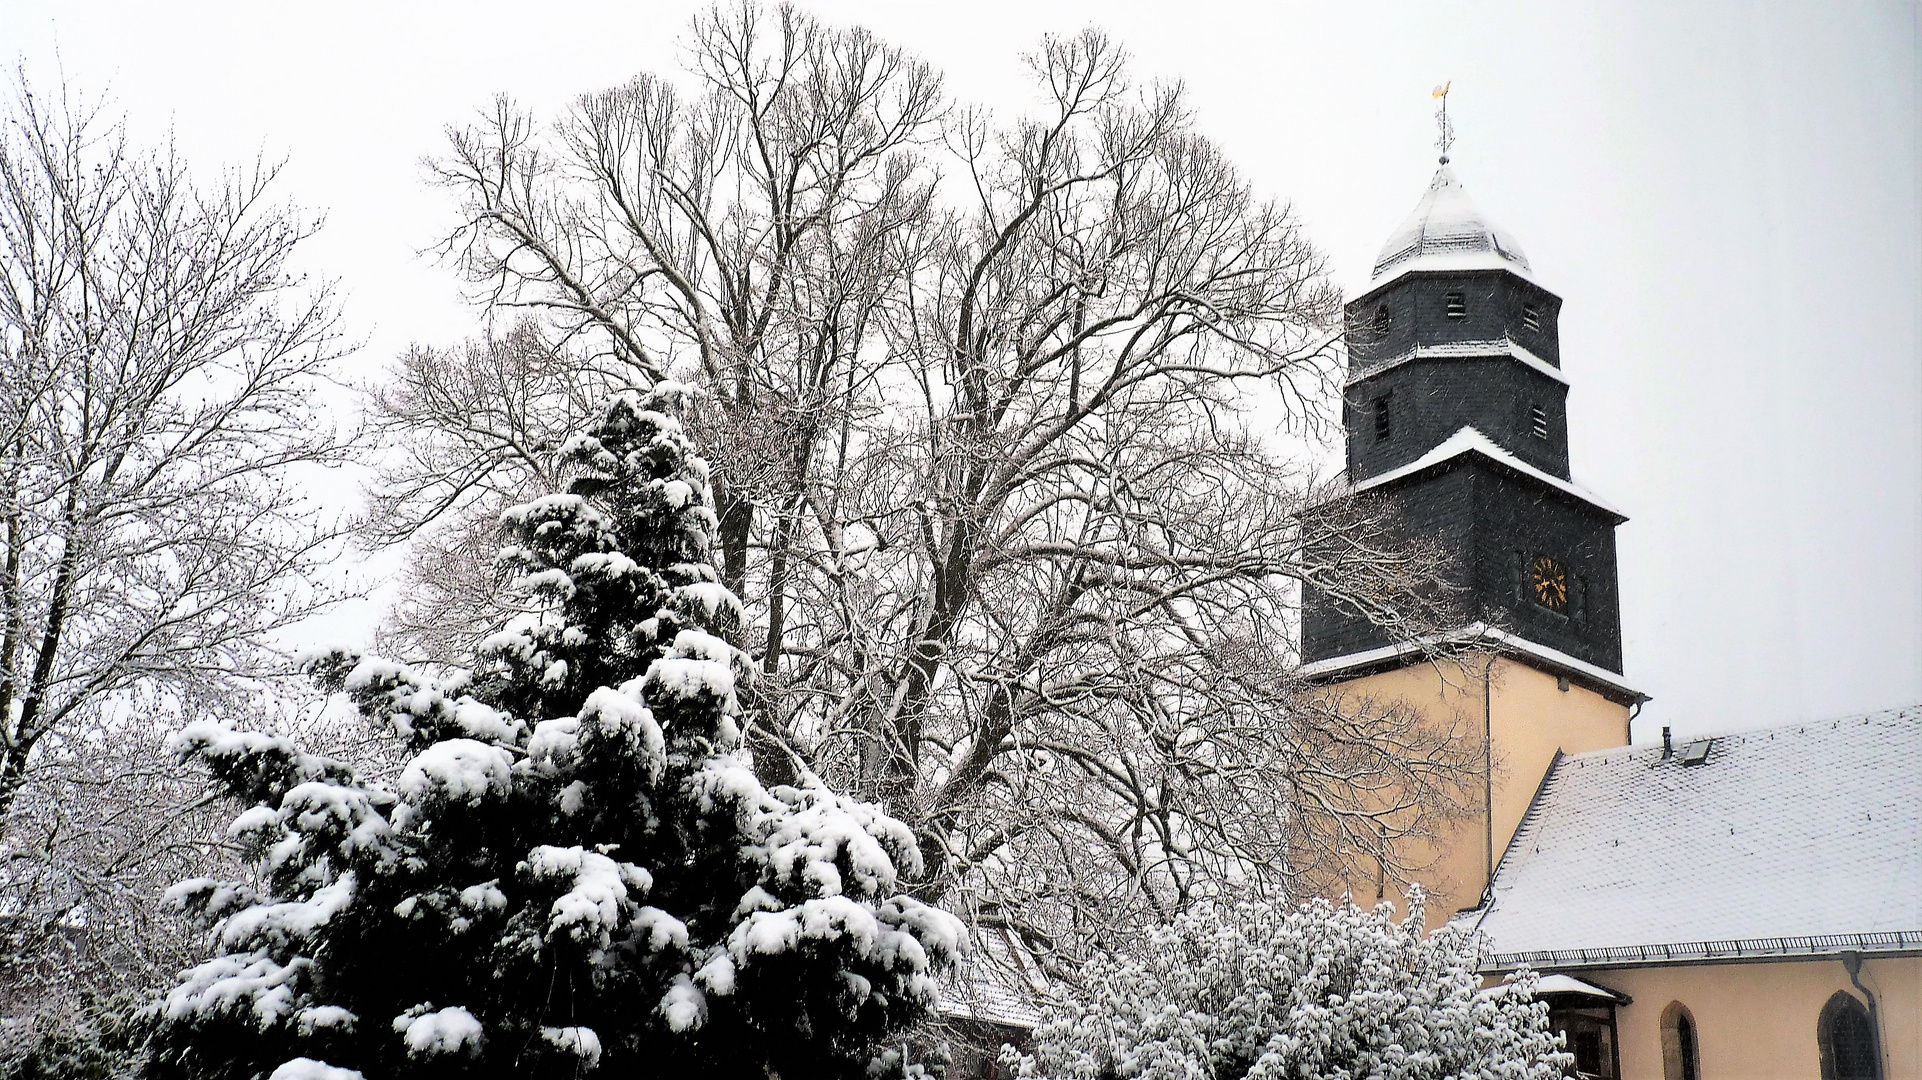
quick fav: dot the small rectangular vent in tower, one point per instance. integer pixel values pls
(1538, 422)
(1457, 306)
(1384, 420)
(1531, 317)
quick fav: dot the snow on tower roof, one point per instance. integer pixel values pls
(1471, 441)
(1795, 840)
(1477, 635)
(1447, 232)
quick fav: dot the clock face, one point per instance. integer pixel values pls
(1548, 581)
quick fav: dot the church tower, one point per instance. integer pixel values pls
(1456, 418)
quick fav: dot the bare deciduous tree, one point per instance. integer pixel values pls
(978, 398)
(159, 360)
(104, 823)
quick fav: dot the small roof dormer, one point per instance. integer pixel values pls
(1447, 232)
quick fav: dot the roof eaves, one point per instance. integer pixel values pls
(1470, 440)
(1443, 262)
(1604, 681)
(1881, 943)
(1461, 350)
(1559, 985)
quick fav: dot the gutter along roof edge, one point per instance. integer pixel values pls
(1744, 950)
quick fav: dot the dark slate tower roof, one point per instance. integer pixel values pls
(1456, 417)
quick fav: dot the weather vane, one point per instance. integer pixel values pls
(1447, 137)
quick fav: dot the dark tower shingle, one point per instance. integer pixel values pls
(1456, 416)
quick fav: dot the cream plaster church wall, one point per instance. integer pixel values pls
(1757, 1021)
(1515, 718)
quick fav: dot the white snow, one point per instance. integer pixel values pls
(819, 831)
(1473, 635)
(553, 579)
(660, 929)
(486, 896)
(716, 976)
(684, 1005)
(323, 1018)
(444, 1031)
(251, 982)
(689, 679)
(1461, 350)
(412, 696)
(214, 739)
(710, 598)
(1314, 991)
(288, 922)
(254, 819)
(604, 565)
(457, 770)
(1568, 984)
(597, 900)
(555, 746)
(620, 719)
(485, 723)
(582, 1042)
(728, 783)
(207, 894)
(318, 808)
(1797, 831)
(555, 508)
(1470, 441)
(698, 645)
(309, 1069)
(1447, 232)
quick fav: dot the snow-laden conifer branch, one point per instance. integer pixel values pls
(577, 868)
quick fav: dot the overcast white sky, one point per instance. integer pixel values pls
(1728, 195)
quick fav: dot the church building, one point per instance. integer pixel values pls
(1737, 908)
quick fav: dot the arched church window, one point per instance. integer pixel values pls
(1681, 1059)
(1846, 1034)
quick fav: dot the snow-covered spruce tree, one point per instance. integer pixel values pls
(578, 868)
(1257, 991)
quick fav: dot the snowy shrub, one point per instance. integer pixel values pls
(1321, 991)
(578, 869)
(98, 1038)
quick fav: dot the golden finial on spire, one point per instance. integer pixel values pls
(1447, 137)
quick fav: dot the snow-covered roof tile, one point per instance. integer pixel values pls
(1569, 984)
(1795, 839)
(996, 984)
(1468, 440)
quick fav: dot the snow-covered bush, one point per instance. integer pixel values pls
(1257, 991)
(578, 868)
